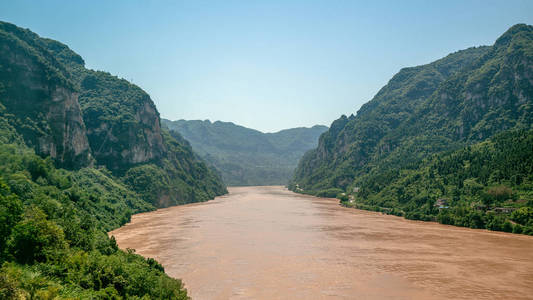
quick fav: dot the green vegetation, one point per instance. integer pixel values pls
(53, 225)
(246, 156)
(80, 152)
(455, 102)
(114, 124)
(330, 193)
(485, 185)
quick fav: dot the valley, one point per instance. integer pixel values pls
(103, 198)
(245, 156)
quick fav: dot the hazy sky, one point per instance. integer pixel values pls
(267, 65)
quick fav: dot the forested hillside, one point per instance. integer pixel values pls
(80, 152)
(456, 101)
(246, 156)
(484, 185)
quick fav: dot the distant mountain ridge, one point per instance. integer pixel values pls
(247, 156)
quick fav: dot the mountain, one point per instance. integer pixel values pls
(80, 152)
(457, 101)
(246, 156)
(39, 100)
(81, 117)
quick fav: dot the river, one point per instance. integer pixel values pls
(270, 243)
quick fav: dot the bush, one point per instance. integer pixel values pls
(507, 226)
(528, 230)
(517, 228)
(522, 215)
(9, 285)
(445, 218)
(329, 193)
(496, 194)
(475, 220)
(36, 239)
(495, 223)
(10, 214)
(343, 197)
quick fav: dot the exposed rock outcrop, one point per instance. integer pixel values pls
(43, 106)
(79, 117)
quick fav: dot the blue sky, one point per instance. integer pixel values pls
(267, 65)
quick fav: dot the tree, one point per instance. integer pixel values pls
(496, 194)
(522, 215)
(36, 239)
(10, 214)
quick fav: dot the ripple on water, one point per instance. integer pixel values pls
(268, 243)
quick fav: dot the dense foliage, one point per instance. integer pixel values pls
(485, 185)
(457, 101)
(105, 132)
(245, 156)
(53, 241)
(178, 179)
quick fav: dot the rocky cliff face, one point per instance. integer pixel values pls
(42, 104)
(149, 121)
(68, 143)
(123, 123)
(81, 117)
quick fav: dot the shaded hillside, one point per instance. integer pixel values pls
(246, 156)
(105, 132)
(461, 99)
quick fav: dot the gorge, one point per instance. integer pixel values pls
(102, 198)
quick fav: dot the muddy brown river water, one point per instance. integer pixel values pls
(270, 243)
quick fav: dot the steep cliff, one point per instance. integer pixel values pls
(123, 124)
(39, 100)
(81, 117)
(122, 121)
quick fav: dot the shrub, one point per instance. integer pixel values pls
(496, 194)
(445, 218)
(517, 228)
(522, 215)
(329, 193)
(507, 226)
(36, 239)
(343, 197)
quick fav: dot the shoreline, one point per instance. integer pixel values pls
(407, 219)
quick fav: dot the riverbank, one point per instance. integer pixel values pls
(475, 217)
(270, 243)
